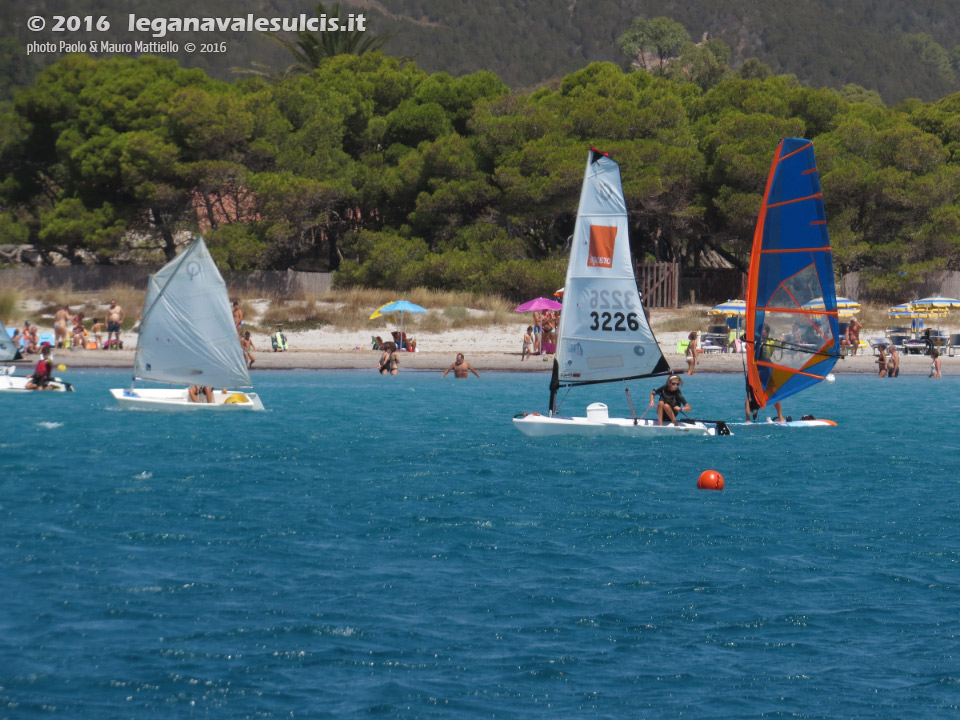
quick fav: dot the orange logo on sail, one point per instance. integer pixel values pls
(603, 238)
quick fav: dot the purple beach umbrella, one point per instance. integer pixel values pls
(540, 303)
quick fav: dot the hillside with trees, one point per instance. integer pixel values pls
(396, 177)
(898, 50)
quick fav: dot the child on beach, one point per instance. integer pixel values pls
(97, 328)
(527, 343)
(247, 344)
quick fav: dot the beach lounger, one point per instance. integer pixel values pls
(953, 344)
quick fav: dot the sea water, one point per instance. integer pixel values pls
(393, 547)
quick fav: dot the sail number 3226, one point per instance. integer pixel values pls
(614, 300)
(616, 322)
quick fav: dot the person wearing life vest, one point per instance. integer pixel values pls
(42, 373)
(279, 340)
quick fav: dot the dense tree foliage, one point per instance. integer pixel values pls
(395, 177)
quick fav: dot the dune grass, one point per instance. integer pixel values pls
(11, 302)
(351, 308)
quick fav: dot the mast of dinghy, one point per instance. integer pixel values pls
(554, 386)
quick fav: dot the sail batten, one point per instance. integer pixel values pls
(791, 264)
(603, 334)
(187, 335)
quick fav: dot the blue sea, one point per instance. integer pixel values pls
(394, 548)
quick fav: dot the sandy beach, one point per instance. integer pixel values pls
(495, 348)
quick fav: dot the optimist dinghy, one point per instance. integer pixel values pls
(603, 335)
(18, 383)
(793, 338)
(187, 337)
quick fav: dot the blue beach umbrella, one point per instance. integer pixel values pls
(396, 310)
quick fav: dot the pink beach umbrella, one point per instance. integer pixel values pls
(540, 303)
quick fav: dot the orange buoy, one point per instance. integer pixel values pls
(710, 480)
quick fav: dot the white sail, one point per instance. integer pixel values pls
(603, 333)
(187, 334)
(8, 351)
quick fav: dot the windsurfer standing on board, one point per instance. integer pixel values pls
(752, 407)
(671, 400)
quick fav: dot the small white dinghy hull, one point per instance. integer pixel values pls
(18, 383)
(179, 400)
(598, 423)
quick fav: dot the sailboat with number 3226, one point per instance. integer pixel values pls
(604, 335)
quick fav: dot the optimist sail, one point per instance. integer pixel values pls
(792, 347)
(603, 335)
(187, 335)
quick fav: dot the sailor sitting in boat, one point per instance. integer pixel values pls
(197, 391)
(671, 400)
(42, 373)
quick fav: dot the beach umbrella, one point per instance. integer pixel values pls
(846, 308)
(907, 311)
(938, 302)
(396, 311)
(730, 308)
(559, 294)
(540, 303)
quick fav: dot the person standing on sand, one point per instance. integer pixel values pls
(882, 362)
(527, 343)
(238, 318)
(60, 327)
(461, 368)
(537, 332)
(247, 344)
(115, 316)
(691, 353)
(935, 365)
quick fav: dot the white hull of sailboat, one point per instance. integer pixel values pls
(18, 383)
(179, 400)
(537, 425)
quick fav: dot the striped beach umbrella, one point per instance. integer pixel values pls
(846, 308)
(910, 311)
(730, 308)
(939, 302)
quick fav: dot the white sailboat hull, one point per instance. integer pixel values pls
(18, 383)
(537, 425)
(179, 400)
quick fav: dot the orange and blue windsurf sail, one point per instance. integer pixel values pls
(790, 347)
